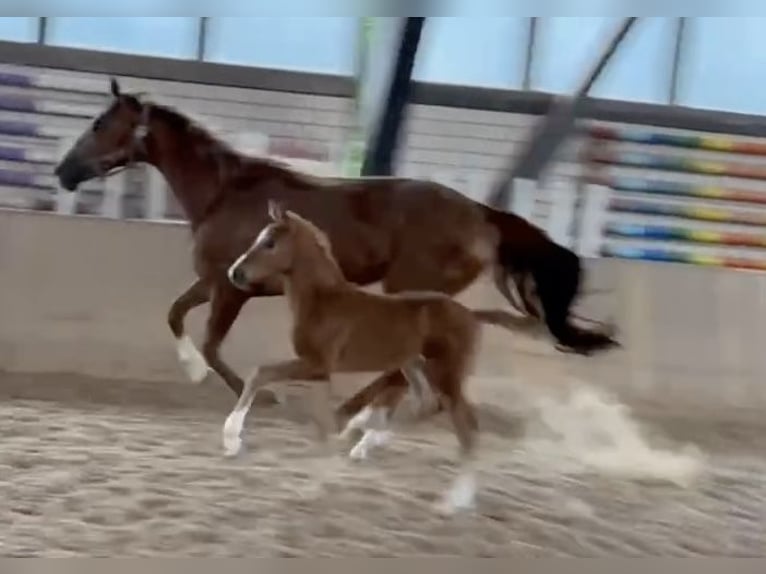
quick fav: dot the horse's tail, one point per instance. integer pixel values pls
(557, 273)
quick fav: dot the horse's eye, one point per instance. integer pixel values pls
(269, 243)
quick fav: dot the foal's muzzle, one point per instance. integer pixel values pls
(238, 277)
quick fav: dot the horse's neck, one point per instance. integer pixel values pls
(193, 164)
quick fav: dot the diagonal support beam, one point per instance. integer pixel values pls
(552, 130)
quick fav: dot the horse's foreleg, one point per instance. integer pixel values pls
(225, 305)
(191, 359)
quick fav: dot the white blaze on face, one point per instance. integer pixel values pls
(265, 234)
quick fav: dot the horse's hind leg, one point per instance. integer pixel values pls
(191, 359)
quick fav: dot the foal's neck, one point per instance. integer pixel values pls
(313, 277)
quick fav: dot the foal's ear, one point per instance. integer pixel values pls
(276, 211)
(114, 87)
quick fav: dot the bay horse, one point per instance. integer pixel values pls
(339, 327)
(404, 233)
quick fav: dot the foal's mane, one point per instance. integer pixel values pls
(315, 235)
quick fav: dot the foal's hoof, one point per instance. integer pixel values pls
(370, 439)
(359, 452)
(232, 444)
(460, 498)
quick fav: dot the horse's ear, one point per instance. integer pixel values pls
(276, 211)
(114, 87)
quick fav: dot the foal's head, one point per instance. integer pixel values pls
(285, 243)
(114, 139)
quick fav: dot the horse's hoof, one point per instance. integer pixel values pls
(194, 364)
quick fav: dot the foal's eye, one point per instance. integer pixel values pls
(269, 243)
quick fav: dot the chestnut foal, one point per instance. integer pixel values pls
(338, 327)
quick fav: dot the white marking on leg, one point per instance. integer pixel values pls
(380, 437)
(462, 494)
(192, 361)
(374, 422)
(232, 427)
(361, 448)
(371, 438)
(358, 421)
(232, 430)
(420, 388)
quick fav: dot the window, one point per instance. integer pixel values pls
(149, 36)
(318, 44)
(723, 64)
(640, 70)
(18, 29)
(487, 52)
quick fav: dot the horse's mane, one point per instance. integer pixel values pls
(250, 166)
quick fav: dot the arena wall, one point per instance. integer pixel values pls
(90, 296)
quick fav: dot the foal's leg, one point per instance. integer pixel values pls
(420, 386)
(447, 371)
(297, 369)
(191, 359)
(371, 408)
(463, 492)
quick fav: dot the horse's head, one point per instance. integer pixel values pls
(271, 254)
(113, 140)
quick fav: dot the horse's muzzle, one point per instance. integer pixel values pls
(71, 174)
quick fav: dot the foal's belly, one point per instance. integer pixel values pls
(377, 346)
